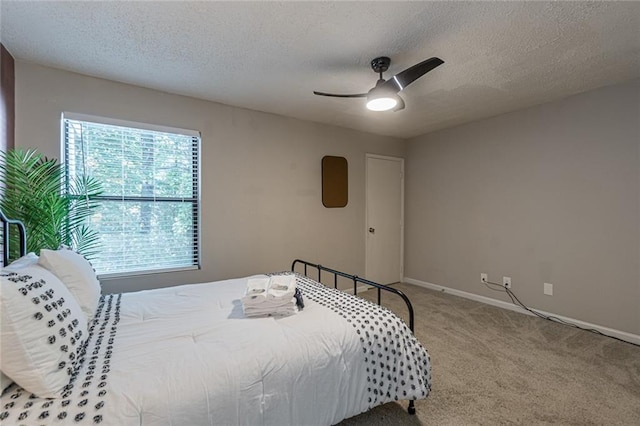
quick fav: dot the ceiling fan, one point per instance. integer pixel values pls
(384, 96)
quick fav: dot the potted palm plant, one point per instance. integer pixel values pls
(33, 192)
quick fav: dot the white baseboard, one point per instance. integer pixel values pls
(360, 289)
(629, 337)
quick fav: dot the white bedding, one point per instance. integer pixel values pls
(187, 356)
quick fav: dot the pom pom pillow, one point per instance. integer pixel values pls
(77, 274)
(43, 330)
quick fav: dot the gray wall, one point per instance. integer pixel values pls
(261, 173)
(547, 194)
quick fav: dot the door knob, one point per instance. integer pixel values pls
(372, 230)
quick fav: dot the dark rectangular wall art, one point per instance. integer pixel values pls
(335, 181)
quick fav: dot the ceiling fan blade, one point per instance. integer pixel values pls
(401, 80)
(355, 95)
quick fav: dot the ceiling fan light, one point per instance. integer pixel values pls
(384, 103)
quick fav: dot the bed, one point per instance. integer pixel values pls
(187, 355)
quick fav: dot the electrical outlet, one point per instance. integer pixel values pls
(484, 278)
(548, 289)
(506, 282)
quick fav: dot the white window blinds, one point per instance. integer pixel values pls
(149, 209)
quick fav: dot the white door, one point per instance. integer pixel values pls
(385, 218)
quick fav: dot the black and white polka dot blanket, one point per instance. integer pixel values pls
(398, 366)
(187, 355)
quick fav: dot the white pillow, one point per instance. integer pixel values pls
(42, 330)
(77, 274)
(28, 259)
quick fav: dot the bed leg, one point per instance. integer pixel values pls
(412, 408)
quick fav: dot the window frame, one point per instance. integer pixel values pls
(196, 194)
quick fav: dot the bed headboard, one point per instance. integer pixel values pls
(6, 222)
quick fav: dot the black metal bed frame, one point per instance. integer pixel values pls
(6, 222)
(356, 279)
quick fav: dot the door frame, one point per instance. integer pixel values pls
(366, 210)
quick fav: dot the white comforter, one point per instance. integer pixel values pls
(187, 356)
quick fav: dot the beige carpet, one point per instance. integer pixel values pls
(492, 367)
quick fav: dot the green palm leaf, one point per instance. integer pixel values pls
(33, 193)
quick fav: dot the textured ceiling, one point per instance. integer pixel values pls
(270, 56)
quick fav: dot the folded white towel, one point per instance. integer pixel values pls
(270, 296)
(281, 286)
(263, 312)
(256, 290)
(268, 303)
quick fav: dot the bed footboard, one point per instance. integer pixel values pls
(356, 279)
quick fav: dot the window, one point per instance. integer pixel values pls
(149, 210)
